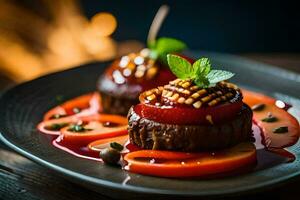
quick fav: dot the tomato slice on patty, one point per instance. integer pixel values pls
(189, 116)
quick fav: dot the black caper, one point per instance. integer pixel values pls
(116, 146)
(282, 129)
(258, 107)
(110, 156)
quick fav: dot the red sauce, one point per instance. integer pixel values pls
(266, 156)
(281, 156)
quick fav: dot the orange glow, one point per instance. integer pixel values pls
(103, 24)
(67, 40)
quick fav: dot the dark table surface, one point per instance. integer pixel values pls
(21, 178)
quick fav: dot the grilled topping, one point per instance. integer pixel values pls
(134, 66)
(185, 93)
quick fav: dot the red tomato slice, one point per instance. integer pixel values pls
(187, 116)
(87, 104)
(45, 126)
(101, 144)
(277, 140)
(178, 164)
(96, 129)
(273, 140)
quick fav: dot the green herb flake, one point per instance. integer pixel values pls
(56, 126)
(282, 129)
(78, 128)
(200, 72)
(258, 107)
(116, 146)
(270, 119)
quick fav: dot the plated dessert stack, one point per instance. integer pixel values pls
(197, 111)
(131, 74)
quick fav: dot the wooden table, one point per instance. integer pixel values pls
(20, 178)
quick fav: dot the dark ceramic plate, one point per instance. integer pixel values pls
(22, 108)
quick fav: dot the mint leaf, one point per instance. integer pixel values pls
(201, 81)
(167, 45)
(200, 72)
(216, 76)
(202, 67)
(180, 66)
(163, 46)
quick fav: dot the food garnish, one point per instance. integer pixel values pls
(195, 126)
(110, 156)
(258, 107)
(282, 129)
(200, 72)
(116, 146)
(56, 126)
(270, 118)
(158, 49)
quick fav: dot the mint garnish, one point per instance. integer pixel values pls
(199, 72)
(163, 46)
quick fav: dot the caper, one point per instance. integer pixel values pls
(116, 146)
(110, 156)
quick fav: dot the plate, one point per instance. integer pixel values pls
(23, 106)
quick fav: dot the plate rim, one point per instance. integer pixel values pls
(145, 190)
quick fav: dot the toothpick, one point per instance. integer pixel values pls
(157, 22)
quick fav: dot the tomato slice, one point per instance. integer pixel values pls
(186, 116)
(284, 119)
(178, 164)
(101, 144)
(85, 105)
(53, 126)
(95, 129)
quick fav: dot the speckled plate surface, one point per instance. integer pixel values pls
(23, 106)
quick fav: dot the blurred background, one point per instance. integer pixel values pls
(43, 36)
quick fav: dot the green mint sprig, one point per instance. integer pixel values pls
(163, 46)
(199, 72)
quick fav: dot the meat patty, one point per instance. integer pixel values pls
(116, 105)
(149, 134)
(117, 99)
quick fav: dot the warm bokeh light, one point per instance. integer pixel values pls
(37, 45)
(103, 24)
